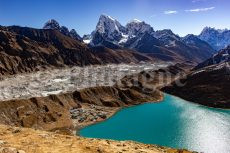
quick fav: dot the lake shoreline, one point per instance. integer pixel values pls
(116, 110)
(148, 123)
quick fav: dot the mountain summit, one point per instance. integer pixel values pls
(107, 30)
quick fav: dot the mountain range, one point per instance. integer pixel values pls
(24, 49)
(140, 36)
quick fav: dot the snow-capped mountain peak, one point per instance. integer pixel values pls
(108, 25)
(107, 29)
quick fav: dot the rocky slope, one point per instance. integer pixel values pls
(209, 86)
(23, 140)
(53, 112)
(27, 49)
(220, 57)
(218, 39)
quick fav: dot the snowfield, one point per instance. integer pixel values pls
(57, 81)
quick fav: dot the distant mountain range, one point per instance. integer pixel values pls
(218, 39)
(140, 36)
(24, 49)
(109, 32)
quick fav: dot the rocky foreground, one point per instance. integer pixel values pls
(23, 140)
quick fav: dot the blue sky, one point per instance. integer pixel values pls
(182, 16)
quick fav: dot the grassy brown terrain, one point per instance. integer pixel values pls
(24, 140)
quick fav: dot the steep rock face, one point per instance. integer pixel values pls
(146, 43)
(209, 86)
(218, 39)
(189, 47)
(108, 29)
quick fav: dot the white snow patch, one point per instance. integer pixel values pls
(135, 21)
(124, 39)
(87, 41)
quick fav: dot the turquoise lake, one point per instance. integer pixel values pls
(174, 123)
